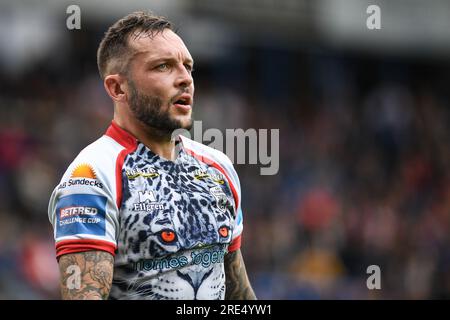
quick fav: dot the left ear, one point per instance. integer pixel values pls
(116, 87)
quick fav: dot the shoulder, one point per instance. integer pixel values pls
(103, 150)
(214, 158)
(91, 175)
(100, 156)
(93, 170)
(208, 155)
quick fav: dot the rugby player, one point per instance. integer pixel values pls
(140, 214)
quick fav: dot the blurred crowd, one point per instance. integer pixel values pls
(364, 174)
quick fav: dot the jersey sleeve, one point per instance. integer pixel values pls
(83, 209)
(235, 187)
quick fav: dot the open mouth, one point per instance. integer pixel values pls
(183, 102)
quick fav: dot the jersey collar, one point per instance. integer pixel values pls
(129, 141)
(121, 136)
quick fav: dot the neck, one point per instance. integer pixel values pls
(160, 144)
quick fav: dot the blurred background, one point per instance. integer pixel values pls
(363, 115)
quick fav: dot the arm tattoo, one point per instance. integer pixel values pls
(237, 284)
(86, 275)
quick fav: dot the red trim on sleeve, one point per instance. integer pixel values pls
(127, 140)
(235, 244)
(82, 245)
(218, 167)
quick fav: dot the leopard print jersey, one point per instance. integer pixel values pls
(176, 222)
(169, 224)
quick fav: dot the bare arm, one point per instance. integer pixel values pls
(86, 275)
(237, 284)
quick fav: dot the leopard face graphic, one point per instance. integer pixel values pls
(174, 229)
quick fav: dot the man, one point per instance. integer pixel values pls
(134, 216)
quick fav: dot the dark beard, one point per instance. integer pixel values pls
(148, 110)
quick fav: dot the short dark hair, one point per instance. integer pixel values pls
(114, 45)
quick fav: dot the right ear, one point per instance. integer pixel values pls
(115, 86)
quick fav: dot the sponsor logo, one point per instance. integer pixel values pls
(208, 257)
(161, 264)
(84, 170)
(80, 220)
(77, 211)
(80, 214)
(82, 175)
(205, 257)
(203, 174)
(145, 196)
(221, 198)
(147, 202)
(80, 182)
(146, 173)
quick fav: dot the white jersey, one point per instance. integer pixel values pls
(168, 224)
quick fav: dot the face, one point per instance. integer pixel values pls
(160, 83)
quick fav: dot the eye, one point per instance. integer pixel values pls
(189, 68)
(224, 231)
(167, 236)
(163, 66)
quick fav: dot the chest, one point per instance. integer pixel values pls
(168, 207)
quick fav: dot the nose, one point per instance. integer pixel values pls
(195, 279)
(184, 78)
